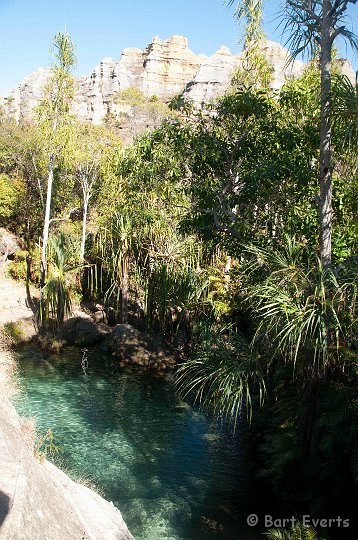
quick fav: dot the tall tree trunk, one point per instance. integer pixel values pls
(325, 208)
(46, 224)
(84, 224)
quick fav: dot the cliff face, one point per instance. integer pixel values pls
(164, 69)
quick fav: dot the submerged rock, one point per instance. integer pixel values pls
(40, 502)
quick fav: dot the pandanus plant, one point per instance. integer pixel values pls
(175, 288)
(345, 108)
(56, 303)
(305, 319)
(298, 531)
(306, 311)
(114, 247)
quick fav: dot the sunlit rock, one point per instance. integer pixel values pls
(39, 501)
(164, 69)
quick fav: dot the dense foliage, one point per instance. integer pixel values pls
(206, 231)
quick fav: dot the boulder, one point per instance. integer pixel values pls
(81, 331)
(130, 345)
(125, 333)
(40, 502)
(96, 310)
(137, 348)
(9, 244)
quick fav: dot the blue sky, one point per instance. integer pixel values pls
(104, 28)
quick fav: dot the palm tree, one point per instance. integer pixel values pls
(313, 27)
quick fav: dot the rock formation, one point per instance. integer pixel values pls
(9, 244)
(163, 68)
(135, 348)
(38, 501)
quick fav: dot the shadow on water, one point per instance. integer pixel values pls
(4, 507)
(173, 472)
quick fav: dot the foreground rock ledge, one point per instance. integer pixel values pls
(40, 502)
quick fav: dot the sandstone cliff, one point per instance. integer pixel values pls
(163, 68)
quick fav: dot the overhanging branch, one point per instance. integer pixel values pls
(340, 7)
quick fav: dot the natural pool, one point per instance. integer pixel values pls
(173, 473)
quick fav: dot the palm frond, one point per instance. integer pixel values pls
(56, 292)
(223, 376)
(345, 108)
(300, 307)
(301, 30)
(297, 532)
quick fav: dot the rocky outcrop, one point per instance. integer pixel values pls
(81, 330)
(9, 244)
(168, 66)
(26, 97)
(38, 501)
(277, 57)
(213, 77)
(163, 68)
(135, 348)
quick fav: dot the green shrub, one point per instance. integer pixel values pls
(10, 193)
(14, 332)
(45, 447)
(17, 268)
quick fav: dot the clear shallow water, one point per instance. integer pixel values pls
(173, 473)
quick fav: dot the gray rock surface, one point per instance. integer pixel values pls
(163, 68)
(81, 330)
(137, 348)
(9, 243)
(40, 502)
(16, 315)
(213, 77)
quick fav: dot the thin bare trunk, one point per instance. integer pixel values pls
(38, 179)
(46, 223)
(325, 208)
(84, 225)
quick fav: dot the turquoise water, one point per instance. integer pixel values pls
(173, 473)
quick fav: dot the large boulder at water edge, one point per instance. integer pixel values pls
(40, 502)
(82, 331)
(133, 347)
